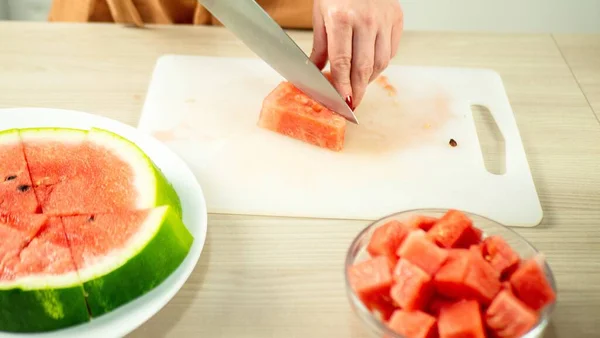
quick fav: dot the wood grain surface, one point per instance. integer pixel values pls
(283, 277)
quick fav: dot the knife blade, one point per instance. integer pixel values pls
(259, 32)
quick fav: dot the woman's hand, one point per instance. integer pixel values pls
(358, 37)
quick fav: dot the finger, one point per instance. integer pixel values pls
(383, 52)
(339, 47)
(362, 60)
(319, 50)
(396, 35)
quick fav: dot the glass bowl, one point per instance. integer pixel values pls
(357, 252)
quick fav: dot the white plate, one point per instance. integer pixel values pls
(128, 317)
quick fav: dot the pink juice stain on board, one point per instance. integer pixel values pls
(393, 118)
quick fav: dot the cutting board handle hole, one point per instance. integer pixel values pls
(491, 140)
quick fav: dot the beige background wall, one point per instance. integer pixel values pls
(551, 16)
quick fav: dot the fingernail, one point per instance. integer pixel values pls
(349, 102)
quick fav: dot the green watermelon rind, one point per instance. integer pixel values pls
(42, 310)
(144, 265)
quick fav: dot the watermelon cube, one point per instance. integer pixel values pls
(437, 303)
(500, 255)
(467, 276)
(508, 317)
(387, 239)
(460, 320)
(290, 112)
(422, 222)
(530, 285)
(382, 306)
(422, 252)
(454, 230)
(412, 288)
(413, 324)
(371, 277)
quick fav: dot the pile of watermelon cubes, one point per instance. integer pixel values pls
(430, 277)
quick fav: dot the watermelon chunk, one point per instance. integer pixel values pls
(417, 249)
(530, 285)
(454, 230)
(387, 239)
(460, 320)
(422, 222)
(412, 288)
(39, 287)
(16, 193)
(508, 317)
(500, 255)
(382, 305)
(467, 276)
(110, 249)
(413, 324)
(114, 173)
(371, 277)
(437, 303)
(290, 112)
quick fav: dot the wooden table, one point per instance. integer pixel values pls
(277, 277)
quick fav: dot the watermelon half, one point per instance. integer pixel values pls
(101, 227)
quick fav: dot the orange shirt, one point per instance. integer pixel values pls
(288, 13)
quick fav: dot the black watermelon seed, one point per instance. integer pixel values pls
(23, 187)
(91, 219)
(10, 178)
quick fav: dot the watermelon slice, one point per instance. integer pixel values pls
(108, 227)
(461, 319)
(16, 193)
(114, 173)
(413, 324)
(39, 287)
(290, 112)
(508, 317)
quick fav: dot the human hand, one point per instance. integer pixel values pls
(358, 37)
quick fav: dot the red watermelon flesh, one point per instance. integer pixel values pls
(93, 237)
(290, 112)
(509, 317)
(500, 255)
(529, 283)
(467, 276)
(454, 230)
(16, 231)
(413, 324)
(462, 319)
(16, 193)
(413, 287)
(74, 175)
(47, 254)
(387, 239)
(420, 251)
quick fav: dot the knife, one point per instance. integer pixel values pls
(257, 30)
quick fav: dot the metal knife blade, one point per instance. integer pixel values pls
(251, 24)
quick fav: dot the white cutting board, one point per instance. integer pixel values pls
(398, 158)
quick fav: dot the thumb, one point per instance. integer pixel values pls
(319, 50)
